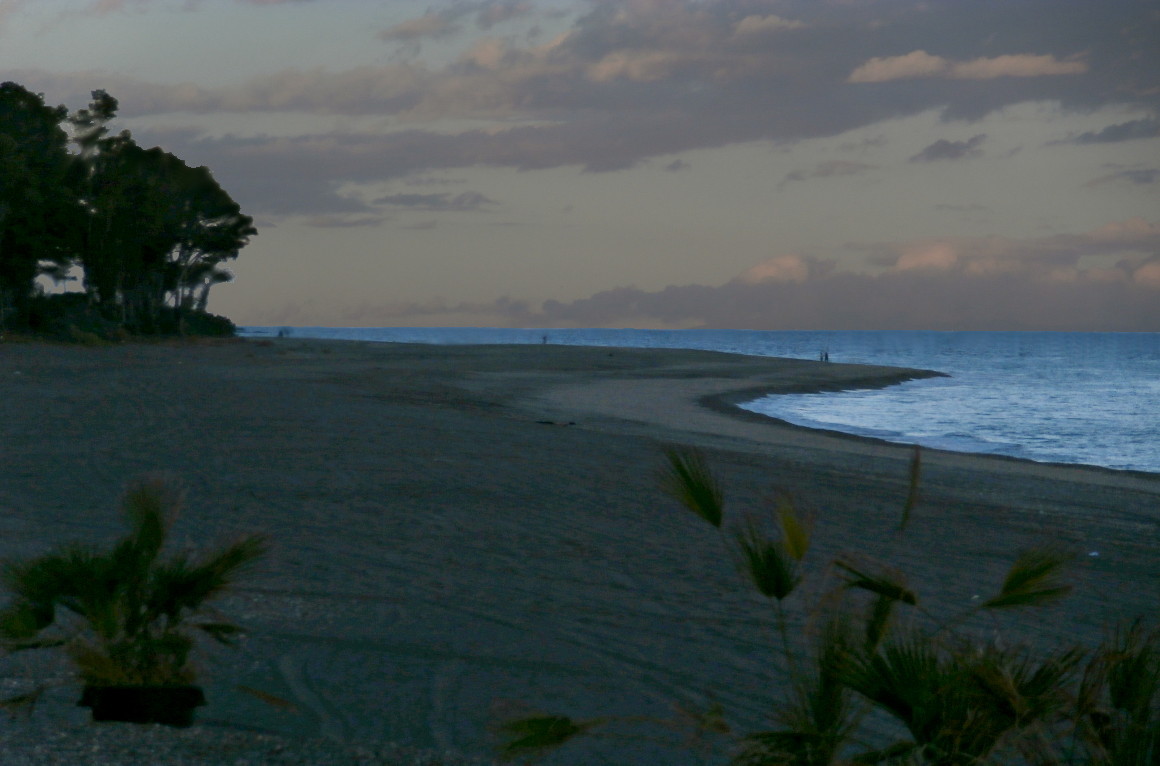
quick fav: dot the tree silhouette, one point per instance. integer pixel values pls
(150, 232)
(157, 230)
(38, 207)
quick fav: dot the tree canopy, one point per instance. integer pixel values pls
(150, 233)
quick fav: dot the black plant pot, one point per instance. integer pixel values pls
(169, 705)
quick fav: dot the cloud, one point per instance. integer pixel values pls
(677, 165)
(913, 64)
(928, 300)
(435, 25)
(430, 25)
(968, 283)
(984, 283)
(828, 169)
(1136, 177)
(972, 207)
(937, 255)
(1148, 273)
(463, 202)
(919, 64)
(760, 25)
(632, 80)
(1148, 127)
(782, 268)
(951, 150)
(1024, 65)
(490, 14)
(343, 221)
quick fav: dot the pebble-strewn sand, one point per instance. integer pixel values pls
(461, 529)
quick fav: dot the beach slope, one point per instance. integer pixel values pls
(465, 532)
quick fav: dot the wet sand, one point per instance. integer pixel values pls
(458, 529)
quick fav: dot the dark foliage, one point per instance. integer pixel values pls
(149, 232)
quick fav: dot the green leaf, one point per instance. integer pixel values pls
(1034, 579)
(768, 564)
(222, 632)
(690, 482)
(795, 533)
(878, 620)
(881, 583)
(539, 733)
(22, 620)
(912, 490)
(150, 505)
(1133, 676)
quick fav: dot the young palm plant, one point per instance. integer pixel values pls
(955, 699)
(1117, 713)
(127, 617)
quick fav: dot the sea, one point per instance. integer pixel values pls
(1081, 398)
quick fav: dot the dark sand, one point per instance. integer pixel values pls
(440, 550)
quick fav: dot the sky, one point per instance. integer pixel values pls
(760, 164)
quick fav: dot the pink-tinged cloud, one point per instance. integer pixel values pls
(919, 64)
(939, 256)
(963, 284)
(431, 25)
(760, 25)
(1148, 274)
(1134, 237)
(912, 65)
(782, 268)
(638, 66)
(1016, 66)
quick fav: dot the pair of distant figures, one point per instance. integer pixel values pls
(824, 356)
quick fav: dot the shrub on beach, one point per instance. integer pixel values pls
(879, 679)
(74, 318)
(126, 615)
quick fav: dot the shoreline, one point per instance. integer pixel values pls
(458, 526)
(728, 404)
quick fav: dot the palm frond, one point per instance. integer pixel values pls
(150, 506)
(905, 678)
(179, 585)
(878, 620)
(22, 620)
(783, 748)
(1034, 579)
(539, 733)
(817, 716)
(64, 574)
(688, 480)
(885, 583)
(767, 563)
(273, 700)
(223, 632)
(1134, 670)
(912, 496)
(1018, 688)
(22, 703)
(795, 530)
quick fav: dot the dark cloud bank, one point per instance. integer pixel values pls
(634, 80)
(843, 301)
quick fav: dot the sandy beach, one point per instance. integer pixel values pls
(463, 532)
